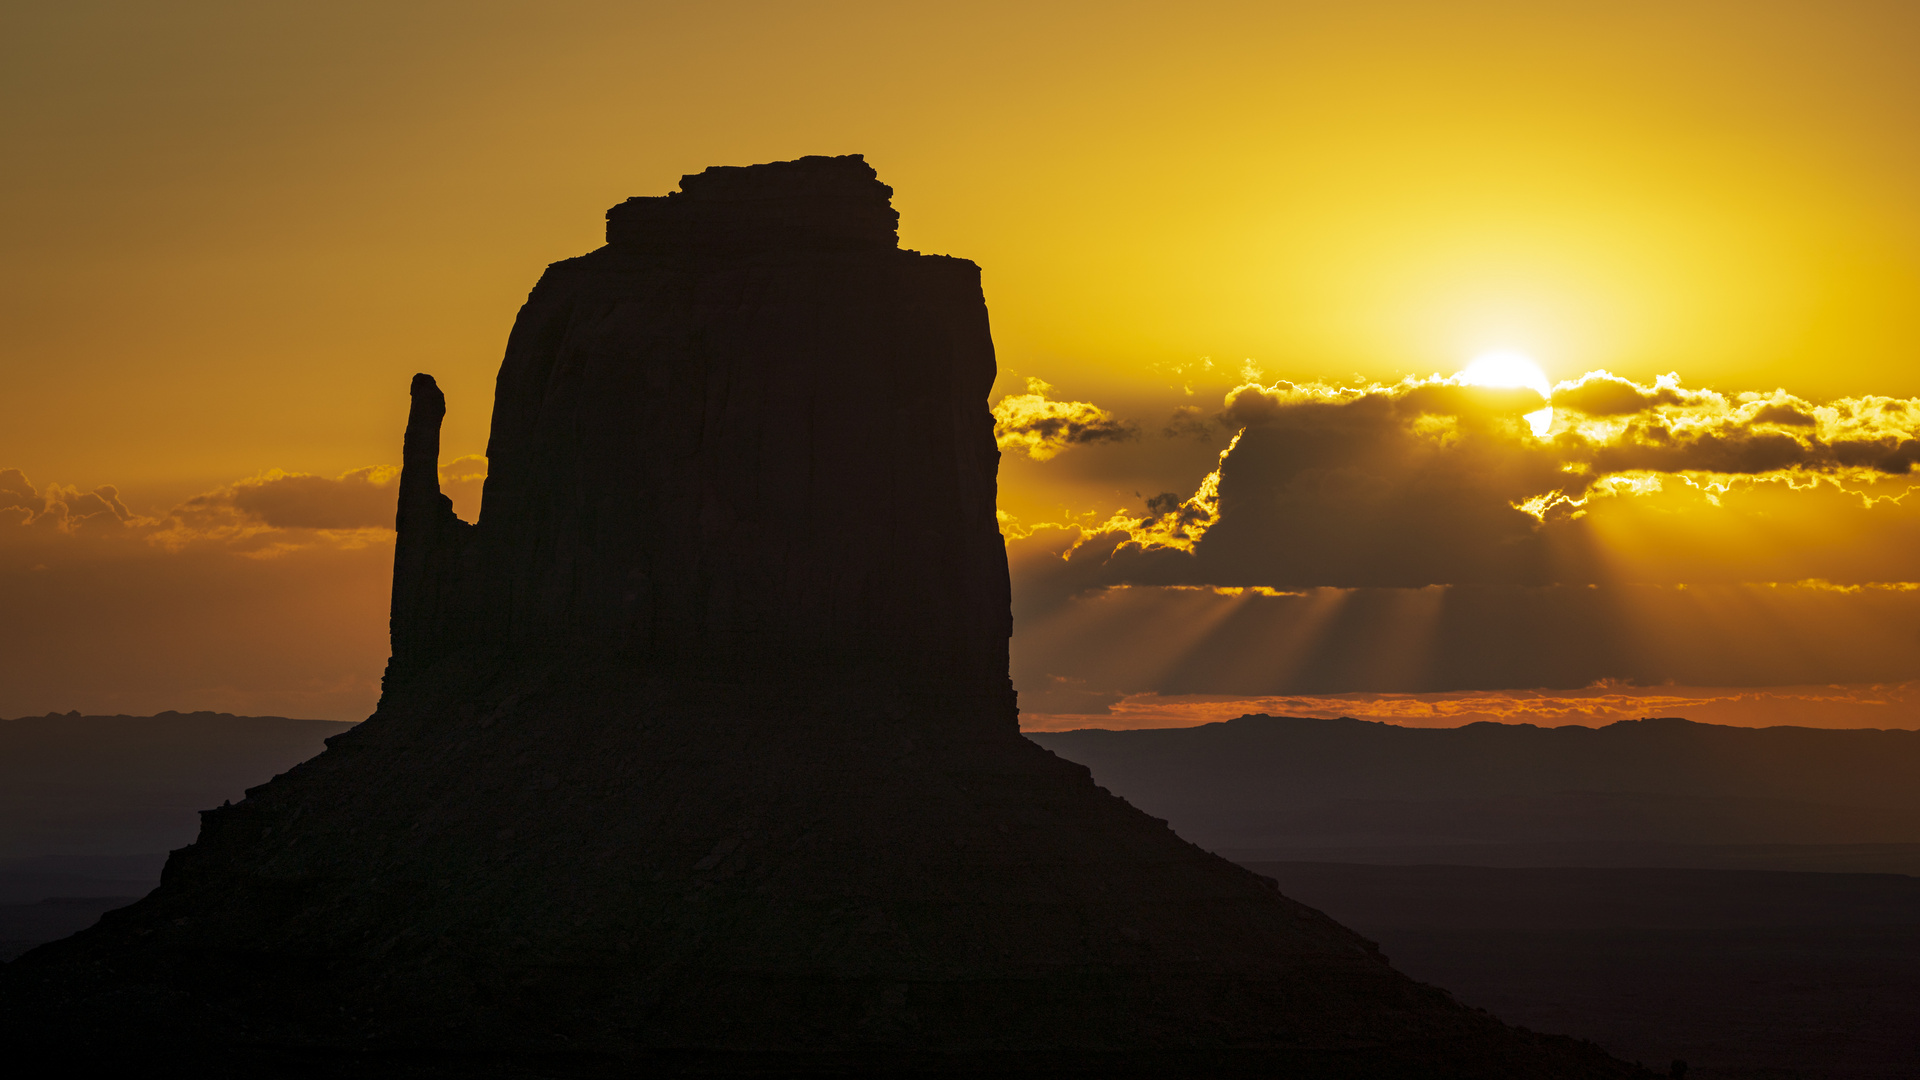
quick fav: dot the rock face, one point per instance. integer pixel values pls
(746, 433)
(697, 752)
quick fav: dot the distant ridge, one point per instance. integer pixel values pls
(74, 785)
(1656, 792)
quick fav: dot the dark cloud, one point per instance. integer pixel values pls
(1363, 488)
(1654, 446)
(1778, 413)
(1433, 482)
(59, 509)
(362, 499)
(1433, 537)
(279, 511)
(264, 596)
(1599, 394)
(1891, 455)
(1191, 422)
(276, 510)
(16, 493)
(1352, 496)
(1746, 444)
(103, 500)
(115, 624)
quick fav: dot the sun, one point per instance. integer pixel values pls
(1505, 367)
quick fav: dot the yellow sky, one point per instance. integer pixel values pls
(233, 230)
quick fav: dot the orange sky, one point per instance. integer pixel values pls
(234, 231)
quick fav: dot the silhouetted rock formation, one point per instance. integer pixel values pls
(747, 432)
(698, 752)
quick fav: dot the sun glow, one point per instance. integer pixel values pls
(1506, 368)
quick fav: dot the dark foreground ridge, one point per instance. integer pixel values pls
(697, 754)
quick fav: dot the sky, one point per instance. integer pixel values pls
(1240, 260)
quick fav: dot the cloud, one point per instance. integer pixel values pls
(267, 515)
(1191, 422)
(1406, 486)
(135, 628)
(16, 493)
(1600, 393)
(1872, 705)
(267, 595)
(263, 514)
(1040, 427)
(59, 509)
(1668, 428)
(361, 499)
(1422, 537)
(1435, 482)
(264, 596)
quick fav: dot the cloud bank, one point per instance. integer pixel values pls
(267, 595)
(1426, 537)
(1433, 482)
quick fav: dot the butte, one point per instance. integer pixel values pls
(697, 753)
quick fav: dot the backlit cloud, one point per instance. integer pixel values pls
(1040, 427)
(1426, 537)
(1435, 482)
(263, 596)
(361, 499)
(260, 516)
(138, 630)
(58, 509)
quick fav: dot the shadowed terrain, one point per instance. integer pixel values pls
(1740, 973)
(1634, 884)
(1737, 972)
(90, 805)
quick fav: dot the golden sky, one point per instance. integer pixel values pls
(234, 231)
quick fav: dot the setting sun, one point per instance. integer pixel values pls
(1506, 368)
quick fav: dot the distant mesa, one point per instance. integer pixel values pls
(1640, 793)
(92, 804)
(697, 752)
